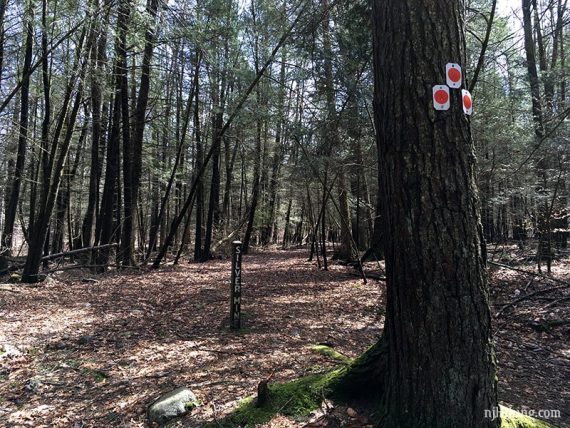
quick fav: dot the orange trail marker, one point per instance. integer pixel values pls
(441, 97)
(453, 75)
(467, 102)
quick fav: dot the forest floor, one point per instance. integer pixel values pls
(94, 351)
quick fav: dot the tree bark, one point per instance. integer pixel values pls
(98, 59)
(278, 155)
(256, 185)
(57, 160)
(441, 365)
(14, 190)
(3, 5)
(108, 211)
(214, 201)
(132, 184)
(532, 70)
(64, 197)
(200, 184)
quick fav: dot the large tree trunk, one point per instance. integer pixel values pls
(125, 251)
(441, 365)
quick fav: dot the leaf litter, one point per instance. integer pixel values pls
(96, 353)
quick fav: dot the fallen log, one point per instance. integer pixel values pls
(74, 252)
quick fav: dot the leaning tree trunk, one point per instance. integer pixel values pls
(441, 365)
(38, 234)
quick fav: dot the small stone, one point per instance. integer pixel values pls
(32, 385)
(351, 412)
(172, 405)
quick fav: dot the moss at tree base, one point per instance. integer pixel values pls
(295, 399)
(357, 379)
(331, 353)
(513, 419)
(298, 398)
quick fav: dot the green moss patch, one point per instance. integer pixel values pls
(513, 419)
(329, 352)
(296, 399)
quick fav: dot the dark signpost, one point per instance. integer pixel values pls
(235, 286)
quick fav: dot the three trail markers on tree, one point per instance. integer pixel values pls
(454, 80)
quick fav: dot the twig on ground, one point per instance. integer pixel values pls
(564, 299)
(11, 290)
(566, 283)
(528, 296)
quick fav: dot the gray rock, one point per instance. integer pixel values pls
(172, 405)
(9, 351)
(32, 385)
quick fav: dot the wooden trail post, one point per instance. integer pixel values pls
(235, 286)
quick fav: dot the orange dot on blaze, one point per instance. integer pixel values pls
(441, 96)
(454, 75)
(467, 102)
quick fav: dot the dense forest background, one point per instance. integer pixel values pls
(172, 128)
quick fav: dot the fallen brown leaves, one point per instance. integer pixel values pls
(96, 353)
